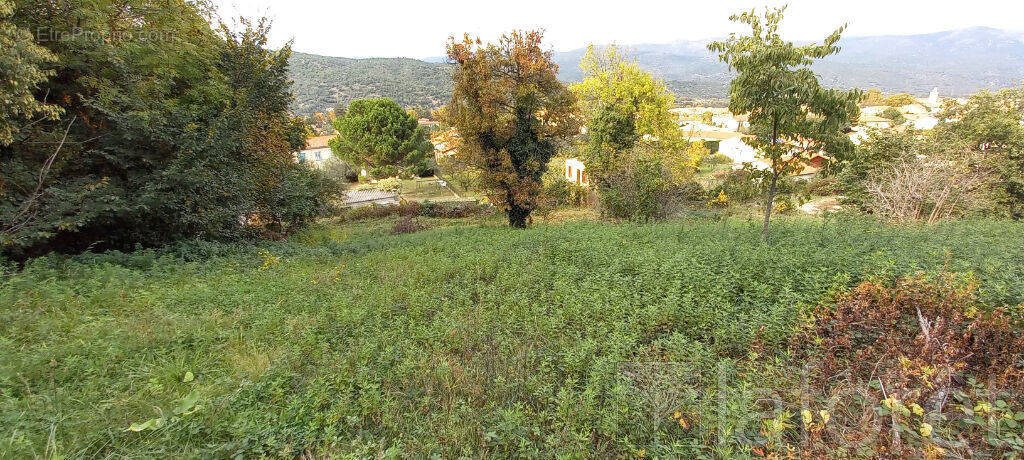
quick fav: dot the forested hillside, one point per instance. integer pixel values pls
(323, 81)
(958, 62)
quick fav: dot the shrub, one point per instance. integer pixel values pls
(894, 115)
(301, 195)
(717, 159)
(903, 359)
(741, 185)
(638, 193)
(560, 192)
(824, 185)
(927, 189)
(407, 224)
(340, 170)
(414, 208)
(424, 169)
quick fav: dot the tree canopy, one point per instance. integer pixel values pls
(378, 133)
(622, 104)
(168, 129)
(791, 115)
(509, 109)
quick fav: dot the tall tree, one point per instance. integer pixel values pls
(611, 79)
(174, 129)
(377, 133)
(791, 114)
(622, 104)
(509, 109)
(989, 126)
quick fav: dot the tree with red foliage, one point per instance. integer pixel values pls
(509, 109)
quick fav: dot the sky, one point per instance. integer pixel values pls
(419, 29)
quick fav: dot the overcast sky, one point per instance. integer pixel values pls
(418, 29)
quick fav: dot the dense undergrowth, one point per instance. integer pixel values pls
(578, 340)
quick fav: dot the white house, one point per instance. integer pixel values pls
(316, 152)
(858, 135)
(927, 122)
(737, 150)
(576, 172)
(726, 121)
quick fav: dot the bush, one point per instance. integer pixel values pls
(824, 185)
(407, 224)
(391, 184)
(638, 193)
(741, 185)
(717, 159)
(560, 192)
(300, 196)
(904, 358)
(414, 208)
(424, 169)
(340, 171)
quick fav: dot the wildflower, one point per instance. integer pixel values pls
(926, 430)
(682, 423)
(917, 409)
(824, 416)
(677, 415)
(807, 416)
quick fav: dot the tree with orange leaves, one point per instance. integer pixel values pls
(509, 109)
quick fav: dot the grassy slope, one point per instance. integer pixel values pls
(466, 340)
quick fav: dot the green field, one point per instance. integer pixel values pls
(575, 340)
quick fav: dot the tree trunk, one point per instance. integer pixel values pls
(769, 204)
(517, 216)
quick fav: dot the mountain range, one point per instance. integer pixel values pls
(957, 62)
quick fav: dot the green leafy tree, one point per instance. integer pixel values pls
(170, 129)
(622, 105)
(611, 137)
(23, 66)
(630, 133)
(791, 114)
(298, 130)
(379, 135)
(610, 79)
(989, 127)
(510, 110)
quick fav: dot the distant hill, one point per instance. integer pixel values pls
(958, 62)
(323, 81)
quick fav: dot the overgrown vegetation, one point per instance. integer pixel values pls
(972, 163)
(150, 126)
(578, 340)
